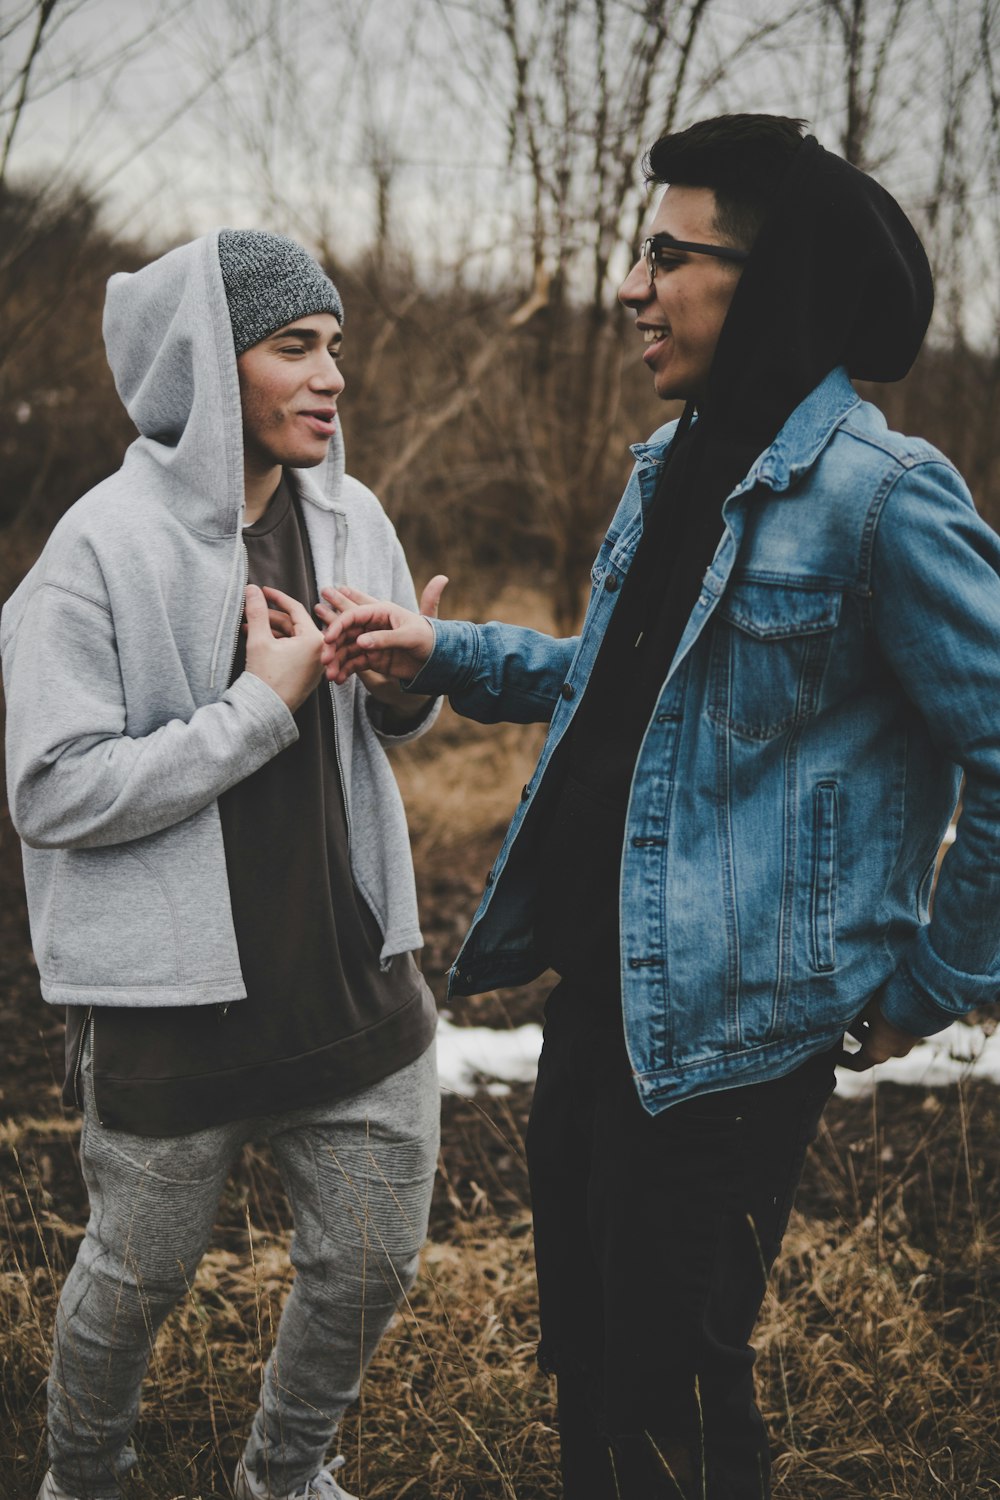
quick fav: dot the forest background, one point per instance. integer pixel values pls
(469, 171)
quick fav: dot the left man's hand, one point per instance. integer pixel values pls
(879, 1040)
(291, 665)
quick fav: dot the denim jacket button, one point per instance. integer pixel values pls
(525, 792)
(611, 583)
(567, 691)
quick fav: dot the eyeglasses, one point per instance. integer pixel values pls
(657, 243)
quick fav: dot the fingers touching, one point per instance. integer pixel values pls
(377, 635)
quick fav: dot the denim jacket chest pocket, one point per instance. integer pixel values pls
(770, 645)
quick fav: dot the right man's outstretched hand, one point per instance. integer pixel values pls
(364, 634)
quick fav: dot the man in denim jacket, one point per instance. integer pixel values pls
(789, 660)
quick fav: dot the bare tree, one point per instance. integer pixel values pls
(867, 33)
(61, 427)
(14, 93)
(471, 171)
(586, 84)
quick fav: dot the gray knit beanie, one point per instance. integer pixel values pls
(271, 281)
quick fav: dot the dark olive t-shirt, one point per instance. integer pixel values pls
(321, 1019)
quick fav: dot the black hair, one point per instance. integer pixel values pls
(742, 158)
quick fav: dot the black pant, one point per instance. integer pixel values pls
(654, 1236)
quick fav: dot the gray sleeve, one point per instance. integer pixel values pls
(76, 777)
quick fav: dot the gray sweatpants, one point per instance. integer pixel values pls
(358, 1174)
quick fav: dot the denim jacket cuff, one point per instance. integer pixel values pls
(452, 663)
(926, 1004)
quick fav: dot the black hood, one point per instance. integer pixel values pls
(837, 276)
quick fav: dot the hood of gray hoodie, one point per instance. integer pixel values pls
(170, 348)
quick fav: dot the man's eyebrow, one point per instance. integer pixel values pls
(309, 334)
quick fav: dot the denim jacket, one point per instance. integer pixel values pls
(838, 675)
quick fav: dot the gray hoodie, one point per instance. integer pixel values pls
(122, 729)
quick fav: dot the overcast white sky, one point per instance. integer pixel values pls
(184, 114)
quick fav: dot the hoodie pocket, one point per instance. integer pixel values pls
(110, 922)
(823, 899)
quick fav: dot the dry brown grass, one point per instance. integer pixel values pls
(452, 1406)
(878, 1342)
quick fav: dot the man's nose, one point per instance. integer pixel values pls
(328, 376)
(637, 287)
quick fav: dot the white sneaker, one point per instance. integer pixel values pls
(52, 1491)
(321, 1486)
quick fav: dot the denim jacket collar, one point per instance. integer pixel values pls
(793, 452)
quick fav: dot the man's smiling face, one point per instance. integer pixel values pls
(289, 384)
(681, 312)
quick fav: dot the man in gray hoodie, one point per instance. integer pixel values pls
(216, 859)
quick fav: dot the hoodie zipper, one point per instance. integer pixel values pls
(223, 1010)
(340, 532)
(244, 574)
(237, 569)
(242, 568)
(341, 528)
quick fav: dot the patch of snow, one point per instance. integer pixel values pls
(483, 1057)
(959, 1053)
(473, 1057)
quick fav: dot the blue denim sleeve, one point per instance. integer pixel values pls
(496, 673)
(936, 610)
